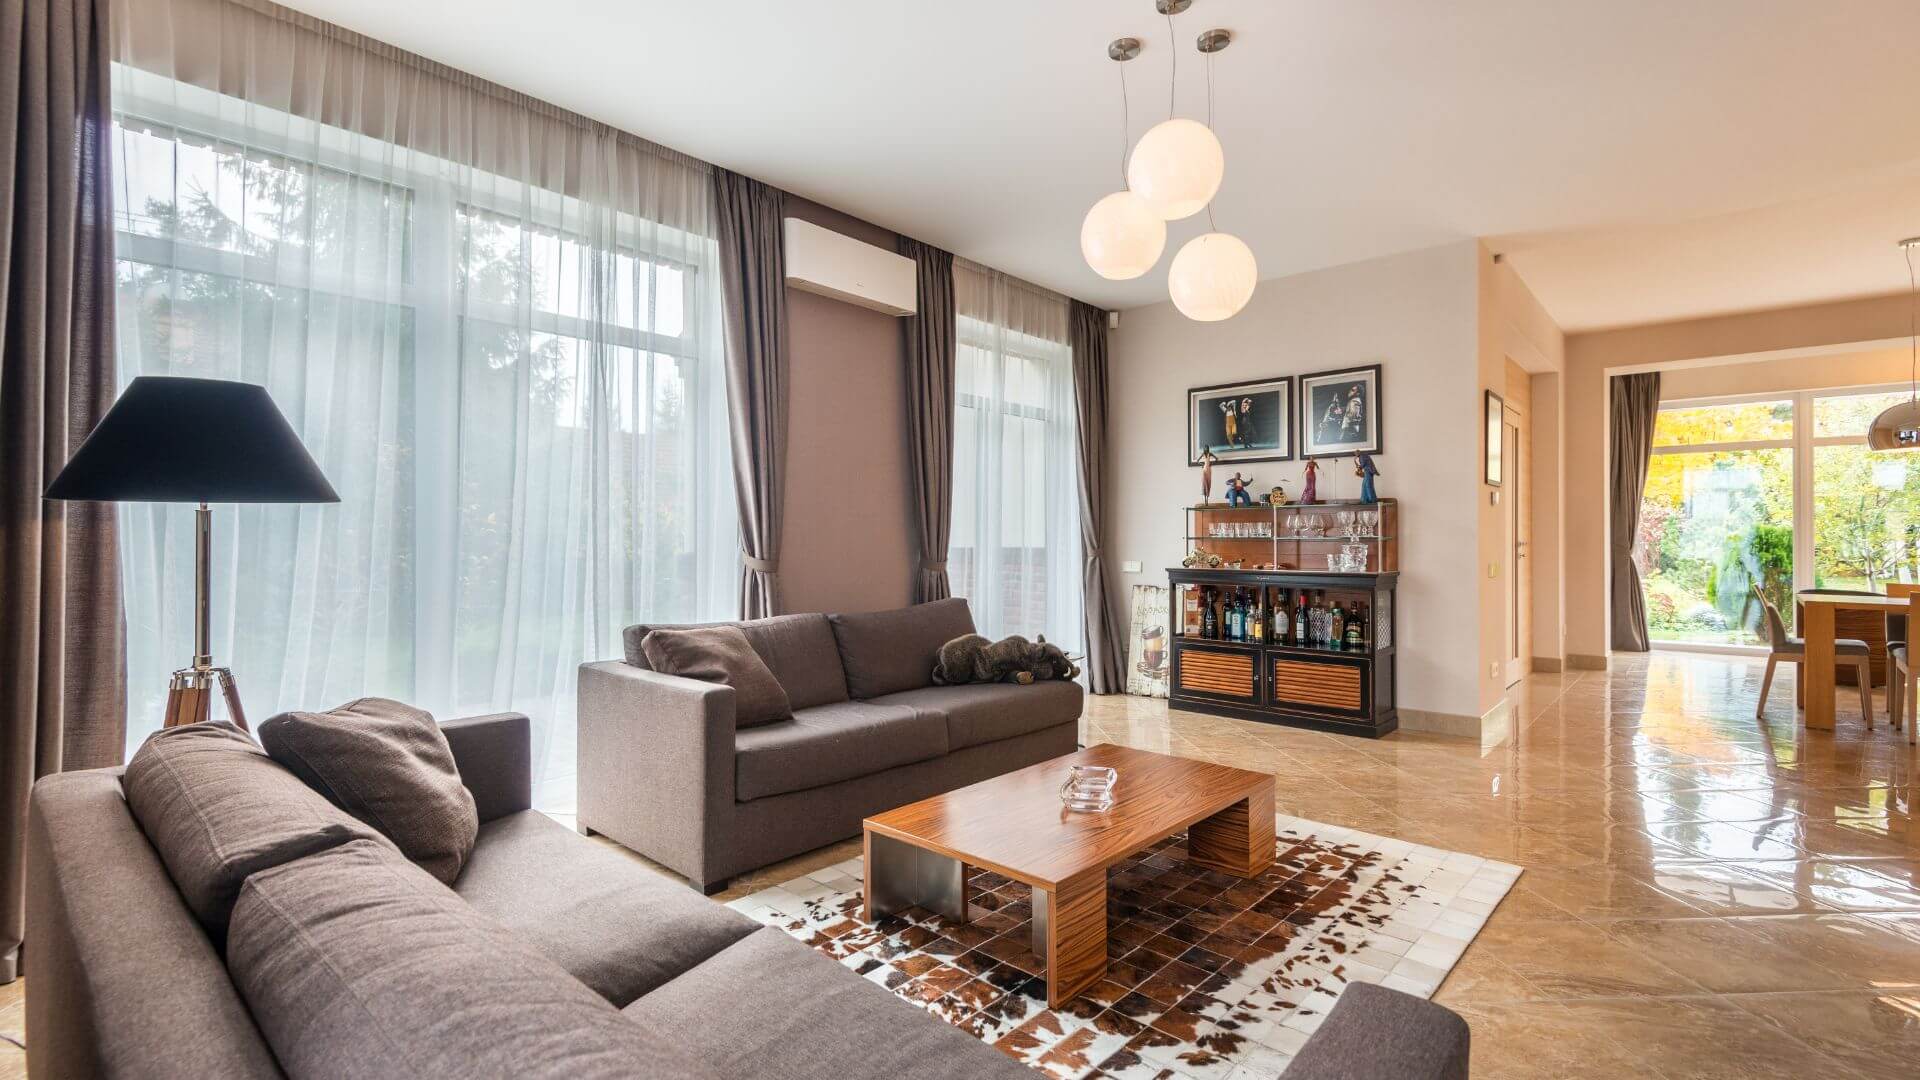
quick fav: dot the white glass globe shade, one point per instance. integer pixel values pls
(1176, 166)
(1122, 237)
(1212, 277)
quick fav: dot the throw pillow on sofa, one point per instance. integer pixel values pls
(722, 654)
(886, 652)
(388, 764)
(218, 810)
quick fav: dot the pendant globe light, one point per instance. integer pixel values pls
(1898, 427)
(1213, 277)
(1122, 237)
(1215, 273)
(1178, 165)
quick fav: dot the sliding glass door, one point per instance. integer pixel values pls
(1770, 493)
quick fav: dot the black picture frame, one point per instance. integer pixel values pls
(1267, 404)
(1495, 429)
(1318, 395)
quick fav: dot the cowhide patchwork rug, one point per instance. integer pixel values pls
(1209, 977)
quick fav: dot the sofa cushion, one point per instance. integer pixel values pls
(798, 649)
(609, 920)
(386, 763)
(357, 963)
(978, 713)
(885, 652)
(218, 809)
(830, 743)
(790, 1011)
(721, 654)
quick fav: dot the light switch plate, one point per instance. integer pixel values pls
(1131, 566)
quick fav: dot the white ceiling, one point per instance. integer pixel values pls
(1638, 160)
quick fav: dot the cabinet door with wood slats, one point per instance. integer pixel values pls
(1321, 685)
(1219, 674)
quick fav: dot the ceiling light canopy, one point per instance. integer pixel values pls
(1122, 237)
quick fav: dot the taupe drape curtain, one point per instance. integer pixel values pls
(1087, 327)
(62, 680)
(931, 342)
(1636, 404)
(747, 222)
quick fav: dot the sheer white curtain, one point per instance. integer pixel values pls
(495, 326)
(1015, 551)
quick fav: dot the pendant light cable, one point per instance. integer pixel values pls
(1210, 225)
(1126, 125)
(1173, 80)
(1913, 328)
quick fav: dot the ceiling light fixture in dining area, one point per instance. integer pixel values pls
(1898, 426)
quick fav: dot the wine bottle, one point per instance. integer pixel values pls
(1209, 615)
(1302, 631)
(1356, 630)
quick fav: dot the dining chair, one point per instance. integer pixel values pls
(1903, 687)
(1785, 648)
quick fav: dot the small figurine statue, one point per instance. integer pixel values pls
(1310, 490)
(1366, 470)
(1277, 497)
(1237, 494)
(1206, 477)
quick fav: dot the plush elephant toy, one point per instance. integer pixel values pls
(974, 659)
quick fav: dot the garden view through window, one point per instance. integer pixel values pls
(1770, 495)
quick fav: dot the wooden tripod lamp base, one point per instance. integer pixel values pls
(190, 696)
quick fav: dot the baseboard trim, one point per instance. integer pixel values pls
(1587, 662)
(1458, 725)
(1546, 665)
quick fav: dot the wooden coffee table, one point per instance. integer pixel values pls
(1015, 825)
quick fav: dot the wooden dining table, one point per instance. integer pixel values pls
(1816, 627)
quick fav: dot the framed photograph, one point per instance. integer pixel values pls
(1496, 417)
(1340, 413)
(1248, 421)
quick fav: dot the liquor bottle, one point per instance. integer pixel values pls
(1260, 616)
(1338, 622)
(1302, 631)
(1209, 615)
(1356, 630)
(1233, 615)
(1243, 615)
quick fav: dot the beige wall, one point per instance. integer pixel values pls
(1787, 375)
(1683, 348)
(1515, 338)
(1415, 315)
(849, 537)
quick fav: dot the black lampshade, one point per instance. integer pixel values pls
(171, 439)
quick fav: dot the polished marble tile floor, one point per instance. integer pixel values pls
(1706, 894)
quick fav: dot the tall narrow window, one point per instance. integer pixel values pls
(1015, 551)
(495, 327)
(1866, 505)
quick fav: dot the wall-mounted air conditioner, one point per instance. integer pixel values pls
(825, 262)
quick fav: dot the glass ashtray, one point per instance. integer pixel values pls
(1089, 788)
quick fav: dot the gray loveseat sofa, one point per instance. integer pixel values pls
(664, 772)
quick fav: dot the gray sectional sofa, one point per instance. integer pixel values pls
(256, 931)
(550, 956)
(664, 772)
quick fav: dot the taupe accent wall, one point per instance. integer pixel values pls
(848, 543)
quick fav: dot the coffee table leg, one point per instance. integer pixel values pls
(1070, 934)
(900, 875)
(1237, 840)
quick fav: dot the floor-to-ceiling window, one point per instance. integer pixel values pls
(1015, 547)
(496, 331)
(1774, 491)
(1717, 520)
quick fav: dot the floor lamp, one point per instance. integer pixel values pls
(201, 441)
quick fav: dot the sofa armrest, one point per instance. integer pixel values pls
(1377, 1032)
(494, 754)
(656, 764)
